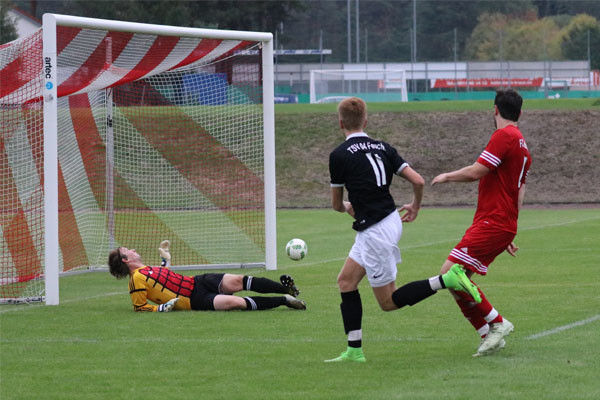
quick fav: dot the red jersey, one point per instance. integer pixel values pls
(507, 157)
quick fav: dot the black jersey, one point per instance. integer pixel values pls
(365, 167)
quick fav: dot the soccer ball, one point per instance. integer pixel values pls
(296, 249)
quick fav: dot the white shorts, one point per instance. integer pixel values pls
(376, 250)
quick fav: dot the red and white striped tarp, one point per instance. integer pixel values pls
(91, 59)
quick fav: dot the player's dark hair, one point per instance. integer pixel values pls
(509, 104)
(116, 266)
(352, 112)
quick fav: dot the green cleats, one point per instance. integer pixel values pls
(456, 279)
(351, 354)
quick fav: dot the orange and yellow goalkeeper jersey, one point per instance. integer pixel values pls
(159, 284)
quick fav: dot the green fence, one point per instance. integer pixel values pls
(461, 95)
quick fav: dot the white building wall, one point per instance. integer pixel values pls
(24, 25)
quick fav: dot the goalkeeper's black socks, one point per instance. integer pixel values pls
(412, 293)
(255, 303)
(263, 285)
(351, 308)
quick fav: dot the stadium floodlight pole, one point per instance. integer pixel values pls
(357, 43)
(269, 148)
(50, 100)
(414, 46)
(589, 57)
(414, 38)
(357, 33)
(349, 31)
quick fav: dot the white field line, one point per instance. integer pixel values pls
(9, 308)
(563, 328)
(239, 339)
(270, 340)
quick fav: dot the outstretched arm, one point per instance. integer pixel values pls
(467, 174)
(418, 183)
(165, 253)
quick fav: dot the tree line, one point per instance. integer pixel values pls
(475, 30)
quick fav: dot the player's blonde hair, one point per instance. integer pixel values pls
(353, 113)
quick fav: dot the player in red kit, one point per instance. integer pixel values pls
(501, 169)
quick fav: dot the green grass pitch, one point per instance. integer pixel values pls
(93, 346)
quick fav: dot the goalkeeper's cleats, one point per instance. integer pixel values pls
(295, 303)
(351, 354)
(456, 279)
(288, 282)
(168, 306)
(165, 254)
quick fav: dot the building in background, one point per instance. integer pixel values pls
(25, 23)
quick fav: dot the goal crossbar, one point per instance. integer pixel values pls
(161, 30)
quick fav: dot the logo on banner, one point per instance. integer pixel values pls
(49, 85)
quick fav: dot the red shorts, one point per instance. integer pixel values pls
(480, 245)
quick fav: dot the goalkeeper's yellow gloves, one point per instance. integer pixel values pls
(165, 255)
(168, 306)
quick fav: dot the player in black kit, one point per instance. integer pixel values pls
(365, 166)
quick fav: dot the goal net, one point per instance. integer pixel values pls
(122, 134)
(333, 85)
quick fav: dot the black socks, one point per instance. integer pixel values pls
(255, 303)
(263, 285)
(352, 316)
(412, 293)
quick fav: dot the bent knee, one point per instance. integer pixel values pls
(388, 305)
(228, 302)
(345, 284)
(232, 283)
(446, 267)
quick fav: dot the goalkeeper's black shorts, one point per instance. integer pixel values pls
(206, 288)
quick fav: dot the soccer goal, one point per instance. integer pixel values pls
(333, 85)
(125, 134)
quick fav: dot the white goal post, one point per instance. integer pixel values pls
(372, 85)
(125, 134)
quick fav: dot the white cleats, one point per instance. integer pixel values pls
(492, 351)
(494, 340)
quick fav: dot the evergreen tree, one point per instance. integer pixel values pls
(7, 28)
(574, 39)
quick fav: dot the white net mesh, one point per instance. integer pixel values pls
(21, 163)
(371, 85)
(158, 138)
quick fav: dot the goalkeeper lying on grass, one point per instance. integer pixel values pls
(172, 291)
